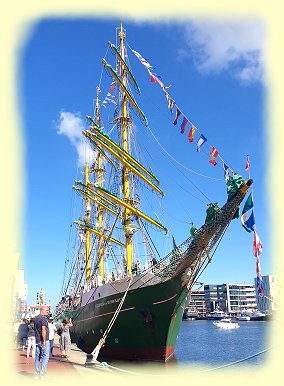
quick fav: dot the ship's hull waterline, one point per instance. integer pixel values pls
(145, 329)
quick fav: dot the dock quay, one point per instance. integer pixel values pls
(74, 368)
(58, 368)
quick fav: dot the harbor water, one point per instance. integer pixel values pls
(201, 343)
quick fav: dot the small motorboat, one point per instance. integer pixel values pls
(189, 315)
(258, 316)
(226, 324)
(244, 317)
(216, 315)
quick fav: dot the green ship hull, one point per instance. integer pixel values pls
(145, 329)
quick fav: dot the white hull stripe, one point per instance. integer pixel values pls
(165, 300)
(107, 313)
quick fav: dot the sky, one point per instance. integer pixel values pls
(217, 75)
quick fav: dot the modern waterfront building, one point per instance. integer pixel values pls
(231, 298)
(196, 302)
(211, 297)
(271, 291)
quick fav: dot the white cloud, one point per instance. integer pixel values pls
(71, 125)
(236, 47)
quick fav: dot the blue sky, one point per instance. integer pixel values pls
(217, 77)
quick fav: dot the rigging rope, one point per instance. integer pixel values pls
(209, 260)
(106, 241)
(71, 217)
(104, 247)
(179, 163)
(72, 270)
(146, 230)
(170, 177)
(102, 71)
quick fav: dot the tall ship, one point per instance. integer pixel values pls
(125, 300)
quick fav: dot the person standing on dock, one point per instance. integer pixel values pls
(23, 334)
(42, 342)
(51, 331)
(65, 340)
(31, 339)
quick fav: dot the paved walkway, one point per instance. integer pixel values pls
(58, 367)
(61, 370)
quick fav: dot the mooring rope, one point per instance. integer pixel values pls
(106, 365)
(238, 361)
(96, 351)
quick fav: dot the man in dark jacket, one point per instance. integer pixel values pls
(42, 342)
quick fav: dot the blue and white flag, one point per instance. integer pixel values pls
(226, 172)
(200, 142)
(248, 223)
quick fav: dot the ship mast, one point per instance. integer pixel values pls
(100, 172)
(106, 201)
(88, 221)
(125, 125)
